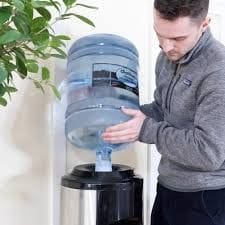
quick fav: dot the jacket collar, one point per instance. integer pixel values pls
(204, 39)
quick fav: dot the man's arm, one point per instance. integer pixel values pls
(200, 148)
(154, 109)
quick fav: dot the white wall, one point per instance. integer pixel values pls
(25, 146)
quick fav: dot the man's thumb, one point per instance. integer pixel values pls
(130, 112)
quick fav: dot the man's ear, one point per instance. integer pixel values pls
(205, 23)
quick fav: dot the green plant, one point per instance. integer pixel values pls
(27, 36)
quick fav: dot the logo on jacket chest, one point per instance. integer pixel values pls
(187, 82)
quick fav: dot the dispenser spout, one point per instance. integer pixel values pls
(103, 159)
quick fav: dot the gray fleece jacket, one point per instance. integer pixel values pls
(186, 121)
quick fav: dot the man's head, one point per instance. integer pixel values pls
(179, 24)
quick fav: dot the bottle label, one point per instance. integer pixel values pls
(106, 74)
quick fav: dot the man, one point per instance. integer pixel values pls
(186, 121)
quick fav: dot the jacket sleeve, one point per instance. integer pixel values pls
(203, 147)
(154, 109)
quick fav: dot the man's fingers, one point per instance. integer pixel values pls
(129, 112)
(121, 139)
(117, 134)
(124, 132)
(121, 126)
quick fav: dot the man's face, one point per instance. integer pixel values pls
(177, 37)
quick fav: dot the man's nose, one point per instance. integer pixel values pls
(167, 45)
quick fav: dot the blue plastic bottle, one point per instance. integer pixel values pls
(102, 76)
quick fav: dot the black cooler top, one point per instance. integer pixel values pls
(85, 177)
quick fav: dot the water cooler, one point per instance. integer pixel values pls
(102, 76)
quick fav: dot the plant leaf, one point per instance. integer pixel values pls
(55, 4)
(63, 37)
(10, 36)
(45, 73)
(3, 102)
(38, 85)
(5, 13)
(3, 73)
(2, 90)
(58, 56)
(42, 39)
(37, 4)
(69, 3)
(10, 77)
(86, 6)
(11, 89)
(20, 54)
(32, 67)
(21, 67)
(18, 4)
(60, 51)
(9, 66)
(7, 57)
(84, 19)
(55, 91)
(63, 18)
(55, 42)
(29, 10)
(38, 24)
(35, 52)
(67, 15)
(21, 24)
(31, 61)
(44, 12)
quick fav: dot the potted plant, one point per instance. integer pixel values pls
(27, 36)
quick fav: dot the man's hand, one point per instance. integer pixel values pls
(127, 131)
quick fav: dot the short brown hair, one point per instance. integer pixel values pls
(172, 9)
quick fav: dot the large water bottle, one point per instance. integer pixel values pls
(102, 76)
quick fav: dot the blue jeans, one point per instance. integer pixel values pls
(188, 208)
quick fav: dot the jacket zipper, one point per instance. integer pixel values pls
(168, 89)
(171, 93)
(171, 87)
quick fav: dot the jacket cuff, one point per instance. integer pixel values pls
(148, 133)
(146, 109)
